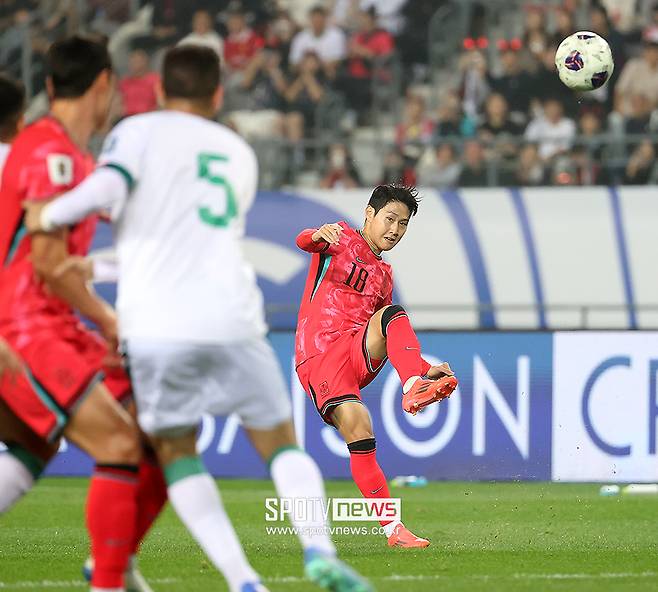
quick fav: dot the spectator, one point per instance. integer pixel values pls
(451, 121)
(341, 171)
(529, 169)
(600, 23)
(417, 16)
(264, 85)
(416, 127)
(138, 88)
(589, 128)
(443, 171)
(639, 117)
(546, 84)
(279, 35)
(242, 43)
(390, 13)
(474, 172)
(535, 37)
(552, 130)
(203, 33)
(640, 75)
(400, 165)
(564, 24)
(640, 167)
(514, 83)
(498, 130)
(327, 42)
(367, 46)
(303, 96)
(474, 87)
(170, 19)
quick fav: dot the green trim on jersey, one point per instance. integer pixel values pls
(31, 462)
(123, 172)
(20, 233)
(281, 450)
(325, 260)
(182, 468)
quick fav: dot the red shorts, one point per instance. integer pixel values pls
(62, 366)
(338, 375)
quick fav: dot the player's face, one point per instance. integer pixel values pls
(387, 227)
(104, 95)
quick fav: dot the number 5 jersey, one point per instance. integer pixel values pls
(346, 284)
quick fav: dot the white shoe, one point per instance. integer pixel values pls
(133, 579)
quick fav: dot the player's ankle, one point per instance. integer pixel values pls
(409, 383)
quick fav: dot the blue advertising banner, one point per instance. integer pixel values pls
(497, 425)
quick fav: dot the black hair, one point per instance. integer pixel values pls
(74, 63)
(191, 72)
(385, 194)
(12, 104)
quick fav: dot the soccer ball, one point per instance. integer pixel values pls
(584, 61)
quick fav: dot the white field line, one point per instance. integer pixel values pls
(44, 584)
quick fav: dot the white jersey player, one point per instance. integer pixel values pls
(178, 186)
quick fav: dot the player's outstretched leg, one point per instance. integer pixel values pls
(353, 422)
(151, 497)
(296, 476)
(103, 429)
(390, 333)
(195, 498)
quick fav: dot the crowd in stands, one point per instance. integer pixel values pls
(305, 73)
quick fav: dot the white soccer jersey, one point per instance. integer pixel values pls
(182, 272)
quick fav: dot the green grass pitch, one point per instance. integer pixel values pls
(485, 536)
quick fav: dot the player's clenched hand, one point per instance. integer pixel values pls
(83, 266)
(9, 361)
(329, 233)
(32, 219)
(436, 372)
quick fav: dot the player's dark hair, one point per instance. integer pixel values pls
(384, 194)
(12, 104)
(74, 63)
(190, 72)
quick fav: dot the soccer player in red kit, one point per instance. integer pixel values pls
(72, 378)
(348, 327)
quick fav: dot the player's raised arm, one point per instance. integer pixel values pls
(318, 240)
(105, 189)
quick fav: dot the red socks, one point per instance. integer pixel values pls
(367, 474)
(111, 516)
(402, 345)
(151, 497)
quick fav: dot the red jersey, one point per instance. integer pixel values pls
(42, 163)
(346, 284)
(240, 48)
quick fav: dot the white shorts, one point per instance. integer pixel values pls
(175, 383)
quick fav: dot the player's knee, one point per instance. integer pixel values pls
(390, 313)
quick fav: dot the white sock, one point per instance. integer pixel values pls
(15, 481)
(199, 506)
(390, 527)
(296, 475)
(409, 383)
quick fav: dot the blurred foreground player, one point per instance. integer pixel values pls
(179, 186)
(71, 376)
(347, 328)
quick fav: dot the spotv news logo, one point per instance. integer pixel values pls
(339, 509)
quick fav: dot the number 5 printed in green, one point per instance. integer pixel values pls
(205, 162)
